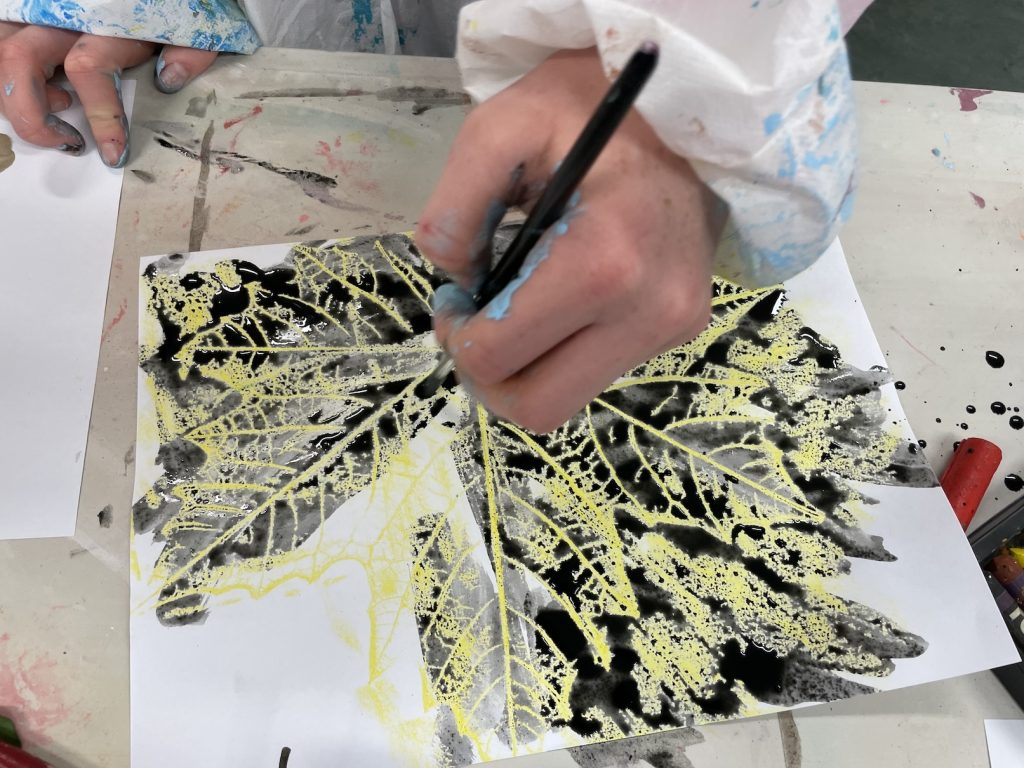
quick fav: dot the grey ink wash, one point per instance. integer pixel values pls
(666, 749)
(198, 105)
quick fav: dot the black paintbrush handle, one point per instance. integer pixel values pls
(602, 125)
(610, 113)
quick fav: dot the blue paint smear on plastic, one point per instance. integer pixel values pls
(362, 15)
(772, 123)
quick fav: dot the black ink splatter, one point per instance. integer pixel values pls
(105, 516)
(994, 359)
(971, 409)
(900, 385)
(1014, 482)
(998, 408)
(1017, 422)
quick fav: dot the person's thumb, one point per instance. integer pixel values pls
(177, 66)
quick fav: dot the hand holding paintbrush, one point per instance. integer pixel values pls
(580, 298)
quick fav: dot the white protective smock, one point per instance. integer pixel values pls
(756, 94)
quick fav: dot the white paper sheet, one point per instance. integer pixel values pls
(292, 667)
(57, 218)
(1005, 743)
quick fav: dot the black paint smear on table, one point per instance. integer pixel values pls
(314, 185)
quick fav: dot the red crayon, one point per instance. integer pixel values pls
(12, 757)
(968, 475)
(1009, 573)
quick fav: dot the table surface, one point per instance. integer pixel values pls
(936, 247)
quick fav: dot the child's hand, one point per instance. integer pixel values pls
(624, 276)
(30, 54)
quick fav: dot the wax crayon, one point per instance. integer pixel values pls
(1009, 573)
(1012, 613)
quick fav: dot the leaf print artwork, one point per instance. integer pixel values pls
(672, 556)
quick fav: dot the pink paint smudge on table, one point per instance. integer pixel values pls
(30, 693)
(967, 97)
(978, 200)
(304, 218)
(117, 318)
(236, 120)
(356, 171)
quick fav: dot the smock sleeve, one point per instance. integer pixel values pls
(756, 95)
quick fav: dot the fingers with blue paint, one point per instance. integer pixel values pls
(28, 56)
(94, 66)
(624, 275)
(176, 67)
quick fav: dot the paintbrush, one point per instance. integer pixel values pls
(549, 209)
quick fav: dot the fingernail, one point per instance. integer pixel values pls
(75, 144)
(450, 299)
(170, 78)
(66, 99)
(113, 155)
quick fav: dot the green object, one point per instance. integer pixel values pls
(8, 733)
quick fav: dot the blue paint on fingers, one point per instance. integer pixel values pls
(498, 307)
(9, 88)
(451, 299)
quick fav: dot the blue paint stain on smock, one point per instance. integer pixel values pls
(815, 161)
(846, 207)
(772, 123)
(788, 169)
(63, 13)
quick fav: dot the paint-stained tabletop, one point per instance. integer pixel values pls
(287, 145)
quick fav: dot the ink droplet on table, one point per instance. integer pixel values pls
(922, 443)
(998, 408)
(1014, 482)
(971, 409)
(994, 359)
(963, 425)
(1017, 422)
(901, 385)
